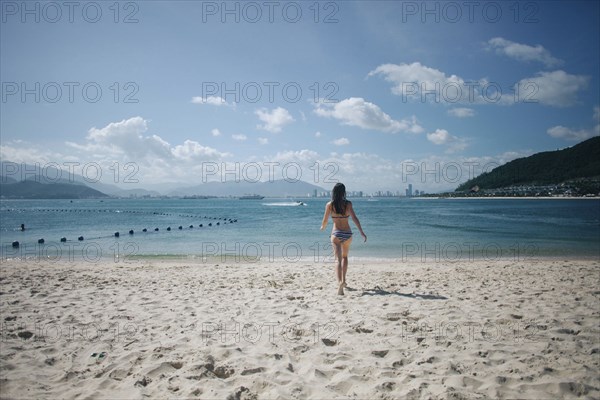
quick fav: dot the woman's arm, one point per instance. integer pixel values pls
(356, 221)
(325, 216)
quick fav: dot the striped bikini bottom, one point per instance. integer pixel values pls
(342, 235)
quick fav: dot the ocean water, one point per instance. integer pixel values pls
(426, 229)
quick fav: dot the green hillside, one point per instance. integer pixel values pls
(550, 167)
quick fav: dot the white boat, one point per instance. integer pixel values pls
(286, 204)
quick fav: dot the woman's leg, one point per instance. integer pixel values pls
(345, 250)
(337, 251)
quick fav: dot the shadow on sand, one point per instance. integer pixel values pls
(378, 291)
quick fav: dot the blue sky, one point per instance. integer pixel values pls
(361, 67)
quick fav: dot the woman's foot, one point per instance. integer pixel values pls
(341, 289)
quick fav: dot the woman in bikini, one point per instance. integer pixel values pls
(340, 209)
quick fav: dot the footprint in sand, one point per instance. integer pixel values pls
(252, 371)
(242, 393)
(386, 386)
(118, 374)
(224, 371)
(165, 367)
(143, 382)
(393, 316)
(380, 353)
(25, 335)
(323, 374)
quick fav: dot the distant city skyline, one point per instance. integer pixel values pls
(377, 193)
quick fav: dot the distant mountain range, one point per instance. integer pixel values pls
(34, 190)
(48, 175)
(549, 167)
(20, 181)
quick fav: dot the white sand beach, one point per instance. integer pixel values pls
(278, 330)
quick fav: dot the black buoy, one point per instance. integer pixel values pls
(15, 244)
(64, 239)
(200, 225)
(218, 223)
(191, 226)
(117, 234)
(155, 229)
(80, 238)
(41, 241)
(210, 224)
(144, 230)
(180, 227)
(168, 228)
(131, 231)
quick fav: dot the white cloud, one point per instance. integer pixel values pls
(156, 159)
(523, 52)
(556, 88)
(126, 144)
(461, 112)
(303, 155)
(239, 137)
(355, 111)
(317, 134)
(193, 151)
(443, 137)
(215, 132)
(22, 152)
(341, 141)
(419, 82)
(132, 127)
(274, 120)
(126, 138)
(563, 132)
(440, 136)
(212, 100)
(263, 140)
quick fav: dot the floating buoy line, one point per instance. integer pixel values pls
(217, 222)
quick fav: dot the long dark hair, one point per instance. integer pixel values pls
(338, 198)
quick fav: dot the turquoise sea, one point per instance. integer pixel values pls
(397, 228)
